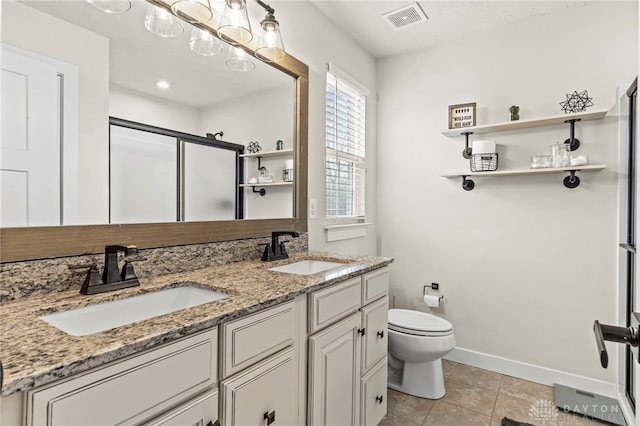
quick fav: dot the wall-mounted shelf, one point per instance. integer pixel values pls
(262, 191)
(249, 185)
(571, 181)
(265, 154)
(526, 124)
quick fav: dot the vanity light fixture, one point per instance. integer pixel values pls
(165, 18)
(163, 84)
(271, 48)
(111, 6)
(204, 43)
(235, 27)
(160, 22)
(193, 11)
(239, 60)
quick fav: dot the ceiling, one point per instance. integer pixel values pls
(138, 58)
(363, 20)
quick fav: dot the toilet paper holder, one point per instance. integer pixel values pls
(432, 286)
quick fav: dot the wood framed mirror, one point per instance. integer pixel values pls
(26, 243)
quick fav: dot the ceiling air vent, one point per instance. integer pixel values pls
(405, 17)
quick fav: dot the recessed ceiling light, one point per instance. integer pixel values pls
(163, 84)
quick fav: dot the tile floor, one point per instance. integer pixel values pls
(480, 397)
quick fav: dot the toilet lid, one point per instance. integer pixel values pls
(416, 320)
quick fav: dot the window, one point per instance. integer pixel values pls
(345, 145)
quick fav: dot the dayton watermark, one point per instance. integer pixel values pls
(545, 412)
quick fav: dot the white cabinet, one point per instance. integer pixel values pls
(373, 393)
(334, 374)
(348, 351)
(262, 394)
(131, 391)
(374, 324)
(260, 367)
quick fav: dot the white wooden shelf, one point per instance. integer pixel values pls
(526, 124)
(571, 181)
(264, 154)
(249, 185)
(591, 167)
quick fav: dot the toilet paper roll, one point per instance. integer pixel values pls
(484, 147)
(288, 164)
(431, 300)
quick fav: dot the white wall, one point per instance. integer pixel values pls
(525, 264)
(90, 52)
(136, 106)
(312, 38)
(265, 117)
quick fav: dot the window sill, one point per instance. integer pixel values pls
(345, 231)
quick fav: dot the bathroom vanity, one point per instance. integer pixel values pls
(283, 348)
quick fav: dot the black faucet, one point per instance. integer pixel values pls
(112, 279)
(277, 250)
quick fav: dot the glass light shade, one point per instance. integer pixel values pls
(193, 11)
(234, 27)
(204, 43)
(111, 6)
(162, 23)
(270, 48)
(238, 60)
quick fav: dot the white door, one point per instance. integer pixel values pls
(626, 331)
(334, 374)
(29, 143)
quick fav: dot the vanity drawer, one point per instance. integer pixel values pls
(375, 285)
(129, 391)
(201, 410)
(334, 303)
(255, 337)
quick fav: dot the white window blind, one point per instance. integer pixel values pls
(345, 145)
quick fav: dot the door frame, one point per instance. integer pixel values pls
(624, 303)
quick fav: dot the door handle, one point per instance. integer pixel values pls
(611, 333)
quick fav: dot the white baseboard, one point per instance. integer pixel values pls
(532, 373)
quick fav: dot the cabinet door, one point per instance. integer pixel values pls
(334, 374)
(374, 395)
(129, 391)
(199, 411)
(263, 394)
(374, 322)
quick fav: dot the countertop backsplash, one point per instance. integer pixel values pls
(36, 277)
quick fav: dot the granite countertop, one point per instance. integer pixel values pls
(34, 353)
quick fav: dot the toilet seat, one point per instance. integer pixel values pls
(418, 323)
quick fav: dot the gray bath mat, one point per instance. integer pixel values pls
(509, 422)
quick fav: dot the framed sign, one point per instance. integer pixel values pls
(463, 115)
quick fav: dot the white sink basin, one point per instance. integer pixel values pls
(307, 267)
(107, 315)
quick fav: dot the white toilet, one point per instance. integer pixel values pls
(417, 343)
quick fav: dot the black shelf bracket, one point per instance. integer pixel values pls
(467, 184)
(262, 191)
(571, 181)
(573, 142)
(466, 152)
